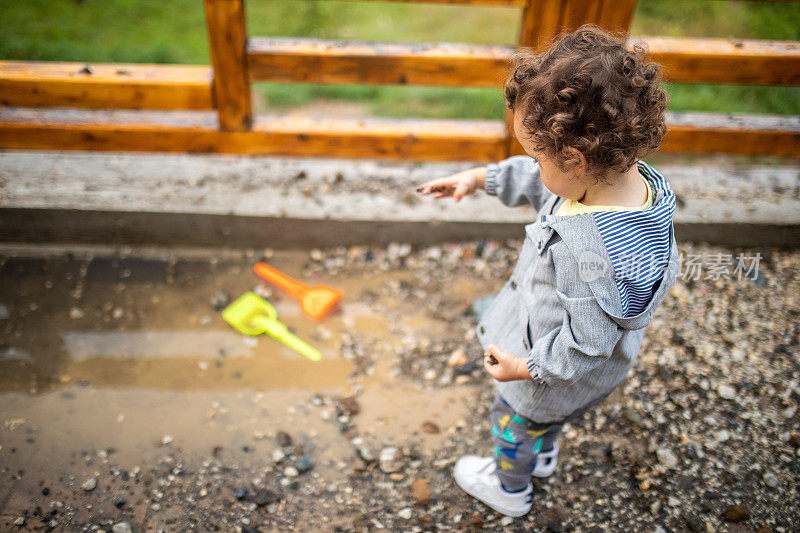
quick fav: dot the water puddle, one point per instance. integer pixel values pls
(122, 359)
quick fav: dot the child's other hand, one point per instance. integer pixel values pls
(457, 185)
(508, 366)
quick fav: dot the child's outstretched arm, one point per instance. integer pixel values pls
(458, 185)
(516, 181)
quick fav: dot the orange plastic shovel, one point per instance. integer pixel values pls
(315, 302)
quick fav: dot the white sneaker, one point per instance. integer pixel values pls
(476, 476)
(546, 462)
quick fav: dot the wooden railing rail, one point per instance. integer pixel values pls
(237, 61)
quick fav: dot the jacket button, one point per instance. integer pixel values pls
(539, 245)
(513, 285)
(483, 330)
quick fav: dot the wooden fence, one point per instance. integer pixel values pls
(237, 61)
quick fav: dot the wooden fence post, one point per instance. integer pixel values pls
(227, 40)
(542, 20)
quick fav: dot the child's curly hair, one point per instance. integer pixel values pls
(588, 92)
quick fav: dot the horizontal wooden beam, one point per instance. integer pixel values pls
(465, 65)
(121, 86)
(496, 3)
(371, 63)
(737, 61)
(431, 140)
(424, 140)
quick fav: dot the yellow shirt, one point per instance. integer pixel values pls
(574, 207)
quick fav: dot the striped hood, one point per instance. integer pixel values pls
(639, 246)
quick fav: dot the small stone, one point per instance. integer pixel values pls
(554, 526)
(75, 313)
(430, 427)
(726, 391)
(351, 405)
(457, 358)
(420, 491)
(20, 521)
(666, 457)
(265, 497)
(405, 514)
(291, 471)
(278, 455)
(722, 435)
(121, 527)
(89, 484)
(391, 460)
(304, 464)
(506, 521)
(166, 439)
(241, 493)
(283, 439)
(672, 501)
(695, 524)
(366, 454)
(476, 521)
(737, 513)
(771, 480)
(120, 502)
(220, 301)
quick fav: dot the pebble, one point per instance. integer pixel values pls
(219, 301)
(283, 438)
(405, 514)
(265, 497)
(420, 491)
(737, 513)
(672, 501)
(771, 480)
(666, 457)
(457, 358)
(430, 427)
(89, 484)
(291, 471)
(366, 454)
(390, 460)
(554, 526)
(121, 527)
(20, 521)
(722, 435)
(304, 464)
(351, 405)
(726, 391)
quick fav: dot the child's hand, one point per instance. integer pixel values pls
(504, 366)
(457, 185)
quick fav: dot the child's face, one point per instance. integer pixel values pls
(564, 184)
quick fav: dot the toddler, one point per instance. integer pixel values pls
(566, 328)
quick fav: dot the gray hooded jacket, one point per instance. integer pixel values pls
(582, 291)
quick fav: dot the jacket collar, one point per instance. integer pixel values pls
(582, 237)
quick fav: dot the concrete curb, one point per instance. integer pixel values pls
(201, 200)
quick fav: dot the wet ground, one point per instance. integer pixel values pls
(126, 400)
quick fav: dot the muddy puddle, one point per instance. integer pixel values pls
(109, 361)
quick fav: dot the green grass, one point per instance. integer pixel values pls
(173, 31)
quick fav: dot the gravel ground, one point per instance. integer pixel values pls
(704, 435)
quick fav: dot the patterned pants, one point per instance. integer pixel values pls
(517, 442)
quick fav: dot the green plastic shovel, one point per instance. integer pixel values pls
(252, 315)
